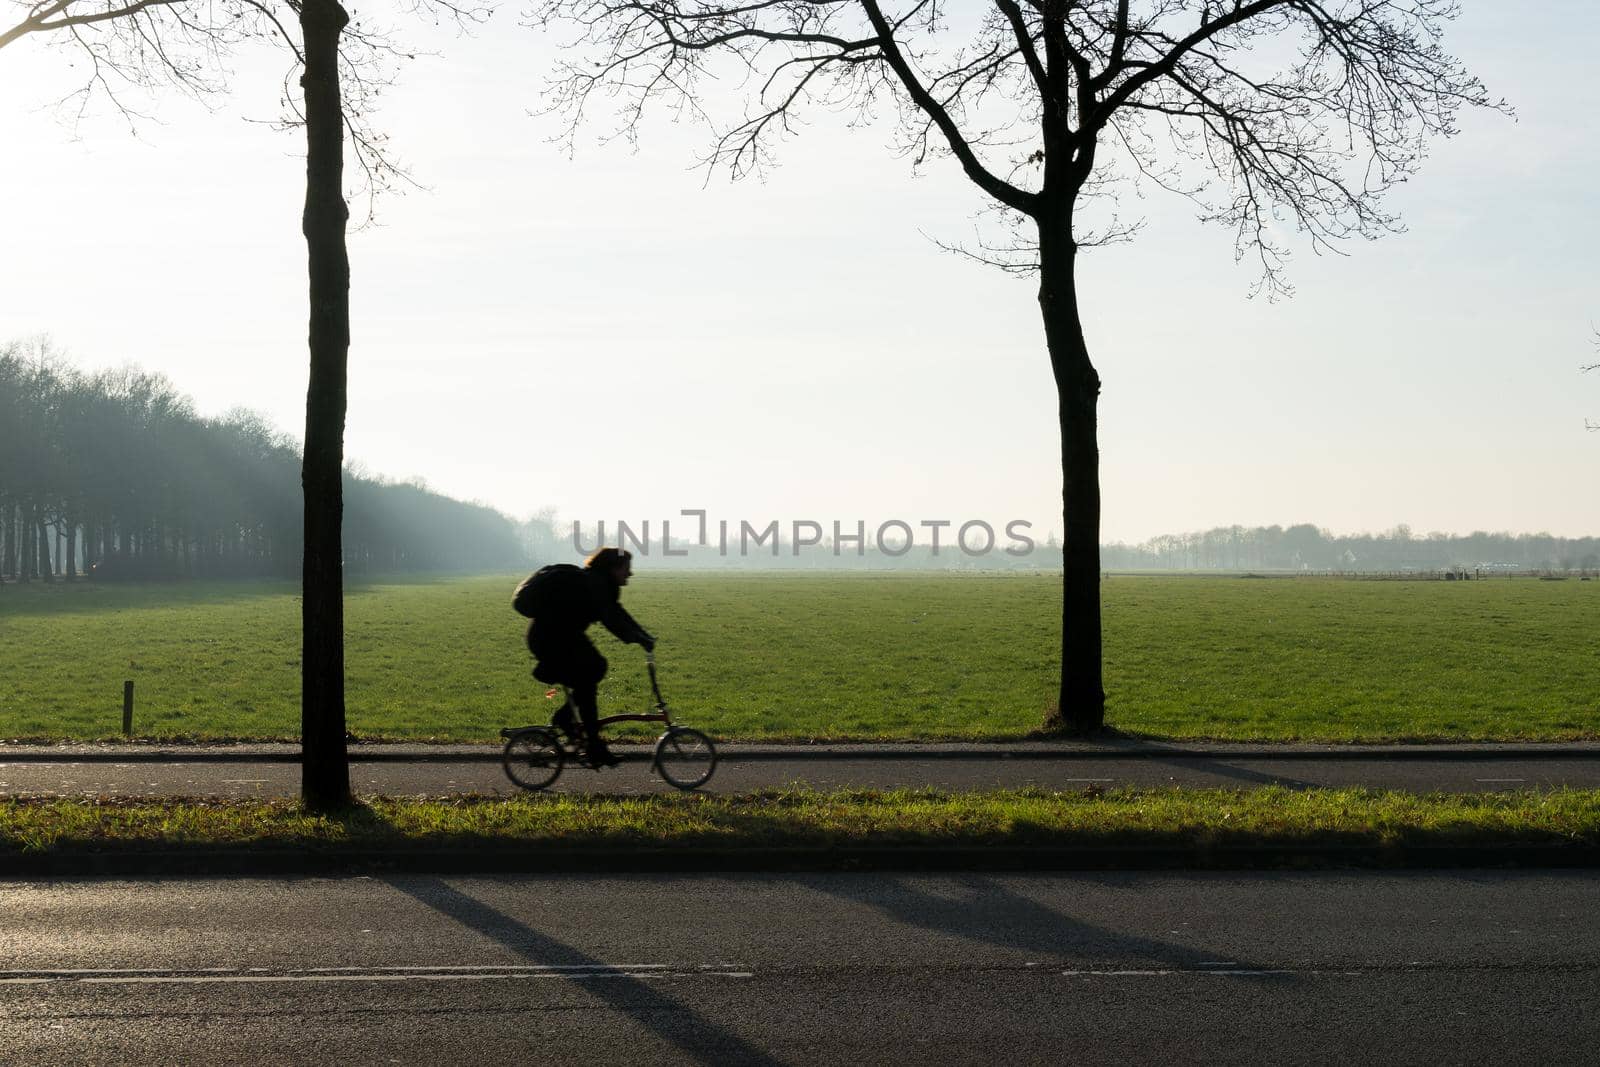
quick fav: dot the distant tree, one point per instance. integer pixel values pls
(1275, 548)
(119, 463)
(10, 455)
(540, 539)
(1268, 114)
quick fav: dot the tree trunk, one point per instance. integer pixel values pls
(325, 767)
(1081, 701)
(47, 567)
(28, 561)
(72, 547)
(8, 541)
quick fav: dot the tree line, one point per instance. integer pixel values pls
(113, 474)
(1306, 547)
(1296, 548)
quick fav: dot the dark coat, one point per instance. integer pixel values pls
(575, 599)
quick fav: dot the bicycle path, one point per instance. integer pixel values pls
(436, 770)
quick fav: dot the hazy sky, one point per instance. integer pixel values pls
(615, 337)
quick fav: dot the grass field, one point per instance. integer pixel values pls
(832, 656)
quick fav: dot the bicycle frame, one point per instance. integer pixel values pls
(534, 755)
(662, 714)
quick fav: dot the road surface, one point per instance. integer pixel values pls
(1474, 967)
(267, 771)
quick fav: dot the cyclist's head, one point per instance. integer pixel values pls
(617, 562)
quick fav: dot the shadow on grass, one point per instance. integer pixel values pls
(768, 834)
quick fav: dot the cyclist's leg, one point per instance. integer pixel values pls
(584, 699)
(588, 667)
(554, 652)
(565, 721)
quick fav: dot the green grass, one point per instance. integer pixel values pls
(800, 819)
(831, 656)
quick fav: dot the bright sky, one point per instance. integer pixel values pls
(615, 337)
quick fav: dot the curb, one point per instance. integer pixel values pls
(235, 863)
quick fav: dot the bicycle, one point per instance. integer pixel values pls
(534, 756)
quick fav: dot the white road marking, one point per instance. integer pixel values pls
(1234, 972)
(84, 972)
(444, 973)
(1247, 971)
(513, 967)
(1125, 974)
(262, 979)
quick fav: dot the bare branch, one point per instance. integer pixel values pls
(839, 54)
(1276, 118)
(46, 20)
(138, 46)
(1147, 72)
(1025, 45)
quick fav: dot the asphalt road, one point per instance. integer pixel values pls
(53, 772)
(817, 969)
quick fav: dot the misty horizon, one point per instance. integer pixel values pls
(751, 537)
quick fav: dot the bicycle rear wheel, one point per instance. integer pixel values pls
(685, 758)
(533, 758)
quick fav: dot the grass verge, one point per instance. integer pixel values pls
(796, 819)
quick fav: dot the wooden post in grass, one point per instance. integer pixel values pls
(127, 708)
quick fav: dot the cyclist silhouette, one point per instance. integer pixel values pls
(570, 600)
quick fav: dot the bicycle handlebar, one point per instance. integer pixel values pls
(655, 687)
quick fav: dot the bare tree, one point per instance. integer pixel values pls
(325, 763)
(1270, 115)
(141, 44)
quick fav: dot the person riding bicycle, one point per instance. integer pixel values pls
(570, 599)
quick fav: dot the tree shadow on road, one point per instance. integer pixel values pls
(1229, 770)
(983, 908)
(675, 1022)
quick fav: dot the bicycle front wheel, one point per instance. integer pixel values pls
(533, 758)
(685, 758)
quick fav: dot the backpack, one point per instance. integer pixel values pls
(546, 590)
